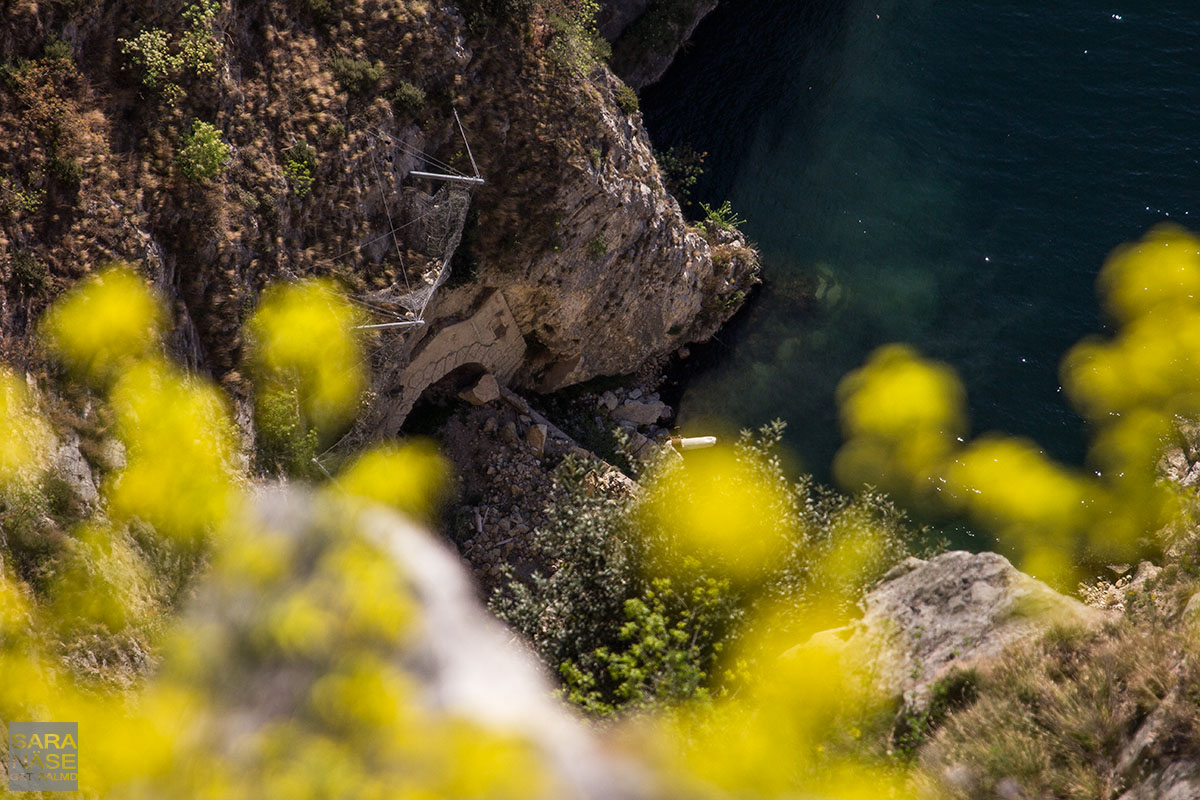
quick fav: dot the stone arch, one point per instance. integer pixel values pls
(488, 338)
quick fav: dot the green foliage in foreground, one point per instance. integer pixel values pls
(629, 625)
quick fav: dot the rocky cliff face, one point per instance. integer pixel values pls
(324, 111)
(647, 34)
(617, 15)
(597, 264)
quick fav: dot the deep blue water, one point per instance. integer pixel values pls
(949, 174)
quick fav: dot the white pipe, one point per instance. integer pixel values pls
(435, 176)
(405, 324)
(693, 442)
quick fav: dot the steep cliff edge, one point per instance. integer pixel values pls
(323, 111)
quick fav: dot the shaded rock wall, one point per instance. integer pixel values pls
(644, 48)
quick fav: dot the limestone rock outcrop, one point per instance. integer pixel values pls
(598, 265)
(955, 611)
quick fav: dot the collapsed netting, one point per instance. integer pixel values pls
(433, 233)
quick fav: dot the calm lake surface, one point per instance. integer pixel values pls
(949, 174)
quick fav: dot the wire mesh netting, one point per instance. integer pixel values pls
(434, 229)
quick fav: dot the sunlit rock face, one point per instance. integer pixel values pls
(955, 611)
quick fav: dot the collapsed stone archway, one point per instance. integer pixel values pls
(489, 338)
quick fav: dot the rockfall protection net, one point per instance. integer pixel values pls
(433, 228)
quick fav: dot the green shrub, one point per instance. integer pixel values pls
(164, 59)
(624, 624)
(357, 76)
(150, 53)
(202, 155)
(591, 547)
(681, 167)
(722, 218)
(671, 636)
(67, 171)
(57, 50)
(284, 445)
(408, 97)
(300, 167)
(28, 273)
(627, 99)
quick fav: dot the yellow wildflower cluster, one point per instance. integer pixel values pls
(282, 681)
(904, 416)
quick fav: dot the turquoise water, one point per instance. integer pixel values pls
(949, 174)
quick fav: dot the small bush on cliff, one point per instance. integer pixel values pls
(300, 167)
(721, 218)
(28, 274)
(202, 154)
(627, 99)
(681, 167)
(357, 76)
(164, 59)
(408, 97)
(576, 45)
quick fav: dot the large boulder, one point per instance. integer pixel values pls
(73, 469)
(955, 611)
